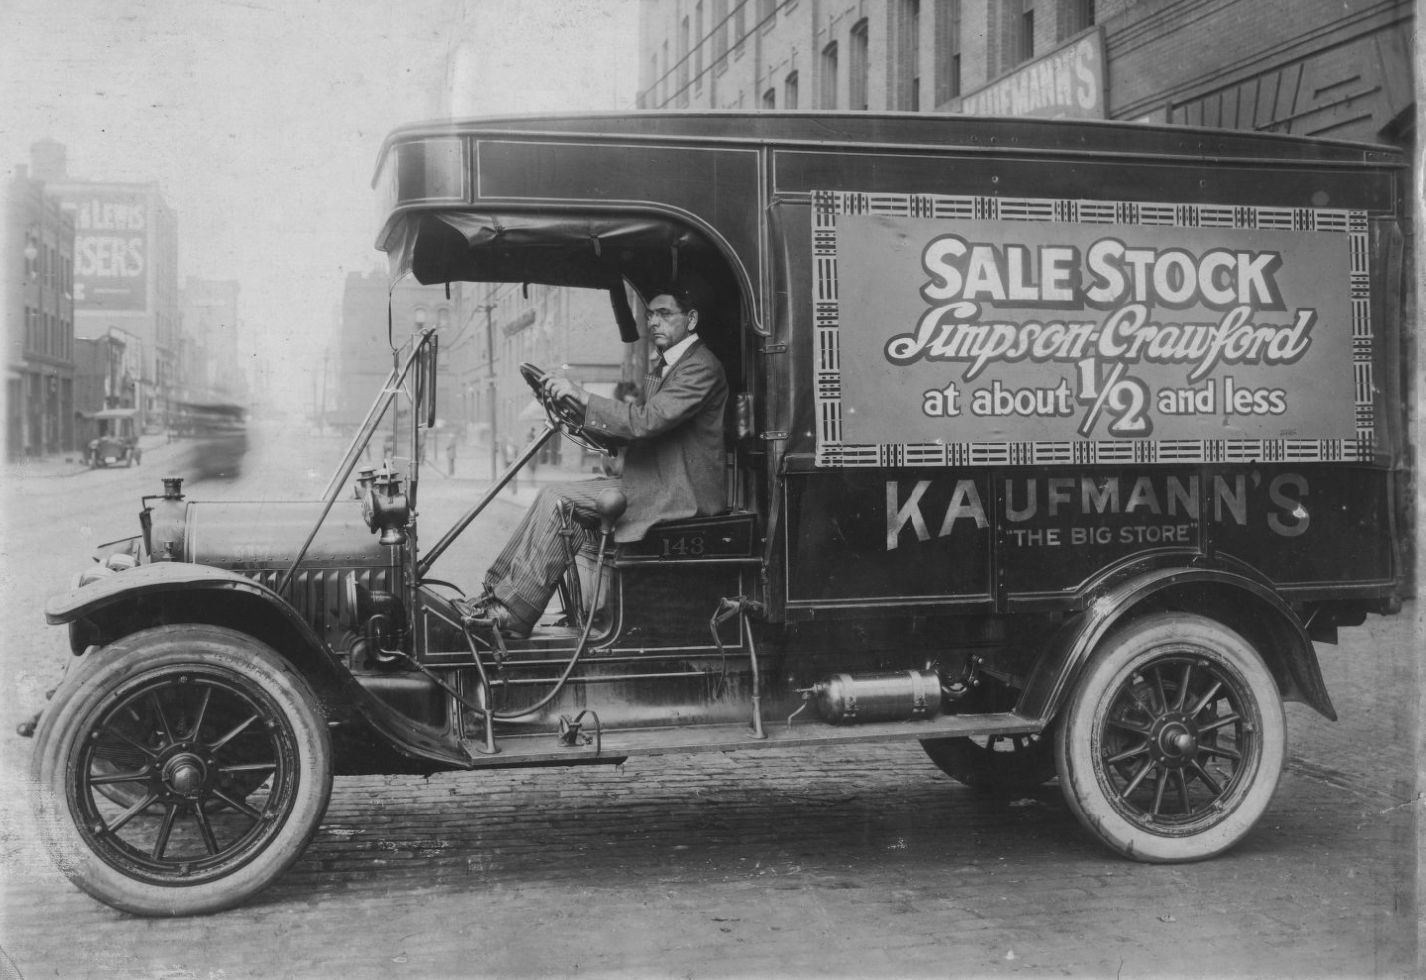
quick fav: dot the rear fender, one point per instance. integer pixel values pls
(1232, 597)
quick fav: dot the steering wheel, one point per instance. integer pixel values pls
(565, 414)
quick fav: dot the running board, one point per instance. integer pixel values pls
(544, 748)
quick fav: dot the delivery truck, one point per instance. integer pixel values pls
(1055, 447)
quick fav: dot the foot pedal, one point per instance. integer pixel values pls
(572, 735)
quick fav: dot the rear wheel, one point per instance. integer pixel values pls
(1173, 741)
(181, 772)
(996, 763)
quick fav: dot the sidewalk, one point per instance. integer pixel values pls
(155, 449)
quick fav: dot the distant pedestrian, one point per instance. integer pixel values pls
(451, 455)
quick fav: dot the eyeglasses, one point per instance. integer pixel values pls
(663, 314)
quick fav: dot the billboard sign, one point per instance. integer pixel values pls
(963, 329)
(111, 249)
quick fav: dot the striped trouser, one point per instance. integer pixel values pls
(526, 573)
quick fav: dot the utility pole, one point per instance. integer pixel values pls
(489, 309)
(322, 415)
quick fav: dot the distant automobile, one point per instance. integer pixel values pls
(117, 442)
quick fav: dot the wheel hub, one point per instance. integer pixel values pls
(185, 774)
(1175, 740)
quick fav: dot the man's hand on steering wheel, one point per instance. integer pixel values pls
(560, 389)
(564, 402)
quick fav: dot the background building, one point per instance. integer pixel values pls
(37, 284)
(1327, 68)
(125, 270)
(345, 385)
(211, 368)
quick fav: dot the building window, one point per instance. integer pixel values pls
(857, 69)
(719, 30)
(770, 99)
(828, 97)
(908, 55)
(789, 91)
(1024, 46)
(948, 50)
(767, 13)
(1076, 15)
(698, 45)
(663, 77)
(683, 60)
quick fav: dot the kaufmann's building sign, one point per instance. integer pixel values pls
(111, 249)
(1068, 83)
(962, 329)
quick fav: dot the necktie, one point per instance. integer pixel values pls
(655, 375)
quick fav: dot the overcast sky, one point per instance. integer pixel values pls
(261, 119)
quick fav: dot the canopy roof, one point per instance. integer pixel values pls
(574, 249)
(598, 200)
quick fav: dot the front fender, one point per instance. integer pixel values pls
(125, 601)
(157, 579)
(183, 592)
(1238, 600)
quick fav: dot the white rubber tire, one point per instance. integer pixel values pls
(1097, 761)
(242, 670)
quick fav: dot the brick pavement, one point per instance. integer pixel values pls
(860, 862)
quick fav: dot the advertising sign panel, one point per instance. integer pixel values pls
(1067, 83)
(111, 249)
(929, 534)
(955, 330)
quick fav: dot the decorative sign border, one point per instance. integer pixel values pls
(831, 451)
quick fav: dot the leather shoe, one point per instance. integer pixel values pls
(490, 612)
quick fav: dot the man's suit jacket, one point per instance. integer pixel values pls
(673, 465)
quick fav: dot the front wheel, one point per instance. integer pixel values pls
(181, 772)
(1172, 743)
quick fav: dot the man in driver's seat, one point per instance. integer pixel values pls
(673, 464)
